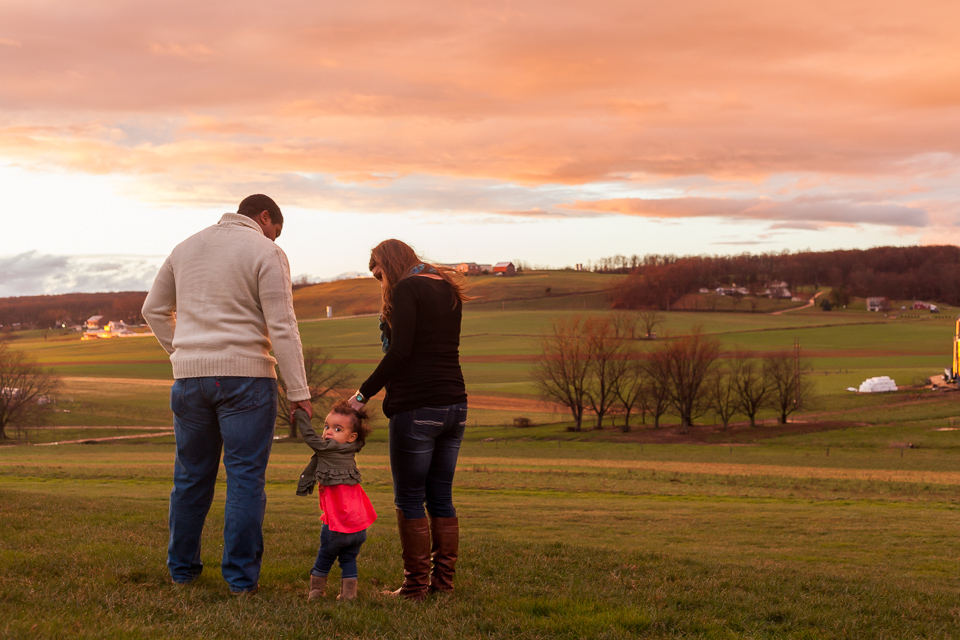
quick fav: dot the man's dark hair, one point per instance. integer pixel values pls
(253, 205)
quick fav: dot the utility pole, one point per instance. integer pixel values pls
(796, 371)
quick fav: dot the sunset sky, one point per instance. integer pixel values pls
(548, 132)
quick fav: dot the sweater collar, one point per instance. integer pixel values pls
(235, 219)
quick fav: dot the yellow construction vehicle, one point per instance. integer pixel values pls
(953, 373)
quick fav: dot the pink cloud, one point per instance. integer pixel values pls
(191, 51)
(799, 213)
(539, 94)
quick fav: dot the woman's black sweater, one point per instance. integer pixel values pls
(422, 365)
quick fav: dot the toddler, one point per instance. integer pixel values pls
(346, 511)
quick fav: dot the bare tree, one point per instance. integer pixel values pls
(688, 362)
(624, 324)
(790, 386)
(24, 388)
(656, 390)
(563, 366)
(751, 384)
(630, 386)
(324, 378)
(650, 319)
(605, 352)
(723, 397)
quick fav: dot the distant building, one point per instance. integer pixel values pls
(925, 306)
(878, 304)
(777, 290)
(486, 268)
(732, 291)
(505, 269)
(468, 268)
(118, 327)
(112, 330)
(93, 323)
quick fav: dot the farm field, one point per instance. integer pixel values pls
(841, 524)
(498, 351)
(561, 539)
(529, 291)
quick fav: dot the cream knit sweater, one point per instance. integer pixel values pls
(222, 300)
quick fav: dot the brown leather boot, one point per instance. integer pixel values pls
(318, 587)
(446, 543)
(415, 540)
(348, 589)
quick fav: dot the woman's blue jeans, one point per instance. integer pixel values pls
(334, 545)
(424, 444)
(237, 415)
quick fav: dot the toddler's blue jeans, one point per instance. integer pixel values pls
(343, 546)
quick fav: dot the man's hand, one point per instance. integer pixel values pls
(302, 404)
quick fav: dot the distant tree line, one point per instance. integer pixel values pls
(43, 312)
(898, 273)
(595, 366)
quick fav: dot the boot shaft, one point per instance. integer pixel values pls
(415, 541)
(445, 547)
(318, 587)
(348, 589)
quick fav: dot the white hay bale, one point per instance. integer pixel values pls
(878, 384)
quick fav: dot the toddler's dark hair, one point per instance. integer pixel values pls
(360, 420)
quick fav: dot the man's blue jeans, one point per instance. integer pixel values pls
(424, 444)
(335, 545)
(238, 415)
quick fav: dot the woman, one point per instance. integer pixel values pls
(426, 402)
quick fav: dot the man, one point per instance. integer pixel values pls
(221, 302)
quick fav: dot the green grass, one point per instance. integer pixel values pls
(753, 533)
(498, 351)
(593, 540)
(533, 290)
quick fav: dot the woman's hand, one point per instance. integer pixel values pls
(355, 404)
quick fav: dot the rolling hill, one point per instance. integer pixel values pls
(532, 290)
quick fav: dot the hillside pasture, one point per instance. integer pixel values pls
(585, 540)
(531, 290)
(499, 349)
(841, 524)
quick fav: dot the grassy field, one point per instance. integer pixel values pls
(561, 539)
(840, 525)
(532, 290)
(124, 381)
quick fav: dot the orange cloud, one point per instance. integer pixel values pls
(191, 52)
(804, 212)
(541, 93)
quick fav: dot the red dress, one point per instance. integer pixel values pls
(346, 508)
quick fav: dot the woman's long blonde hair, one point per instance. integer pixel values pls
(396, 260)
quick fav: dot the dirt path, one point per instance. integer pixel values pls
(809, 304)
(109, 426)
(499, 403)
(494, 403)
(107, 439)
(143, 382)
(728, 469)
